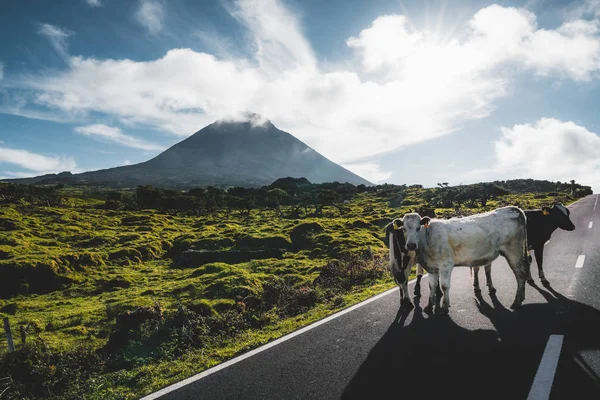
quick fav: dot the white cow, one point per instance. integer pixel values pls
(441, 245)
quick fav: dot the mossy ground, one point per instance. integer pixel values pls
(70, 270)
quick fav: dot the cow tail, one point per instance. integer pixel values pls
(392, 255)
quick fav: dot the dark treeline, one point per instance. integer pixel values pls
(298, 195)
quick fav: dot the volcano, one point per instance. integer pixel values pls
(251, 153)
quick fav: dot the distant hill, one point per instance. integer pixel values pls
(253, 153)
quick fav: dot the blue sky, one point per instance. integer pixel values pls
(397, 91)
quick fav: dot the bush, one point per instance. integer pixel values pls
(289, 300)
(301, 234)
(35, 372)
(349, 273)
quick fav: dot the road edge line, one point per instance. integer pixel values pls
(544, 377)
(572, 204)
(291, 335)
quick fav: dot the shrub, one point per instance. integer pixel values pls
(35, 372)
(289, 300)
(300, 234)
(349, 273)
(127, 326)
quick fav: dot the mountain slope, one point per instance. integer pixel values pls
(225, 153)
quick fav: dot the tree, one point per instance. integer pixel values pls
(325, 197)
(274, 198)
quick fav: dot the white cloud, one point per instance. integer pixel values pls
(57, 37)
(115, 135)
(126, 162)
(280, 45)
(496, 36)
(36, 162)
(370, 171)
(94, 3)
(549, 149)
(151, 15)
(407, 86)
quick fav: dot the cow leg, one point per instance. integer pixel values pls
(539, 259)
(401, 289)
(445, 277)
(405, 300)
(529, 278)
(433, 286)
(475, 276)
(418, 283)
(518, 263)
(488, 278)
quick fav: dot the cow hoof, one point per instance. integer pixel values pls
(545, 282)
(516, 306)
(530, 281)
(492, 289)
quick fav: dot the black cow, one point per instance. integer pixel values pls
(401, 262)
(540, 226)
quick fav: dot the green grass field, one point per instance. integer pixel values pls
(75, 274)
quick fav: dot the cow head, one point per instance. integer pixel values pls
(395, 228)
(559, 215)
(412, 224)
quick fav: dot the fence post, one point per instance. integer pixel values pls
(9, 338)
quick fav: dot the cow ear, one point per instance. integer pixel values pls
(397, 223)
(546, 210)
(425, 221)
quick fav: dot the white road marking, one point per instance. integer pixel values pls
(591, 224)
(542, 383)
(267, 346)
(596, 203)
(580, 261)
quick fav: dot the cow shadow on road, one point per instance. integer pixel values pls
(579, 324)
(433, 356)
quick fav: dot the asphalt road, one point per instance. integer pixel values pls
(482, 349)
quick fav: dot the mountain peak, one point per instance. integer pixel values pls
(253, 118)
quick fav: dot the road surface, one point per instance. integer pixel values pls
(481, 350)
